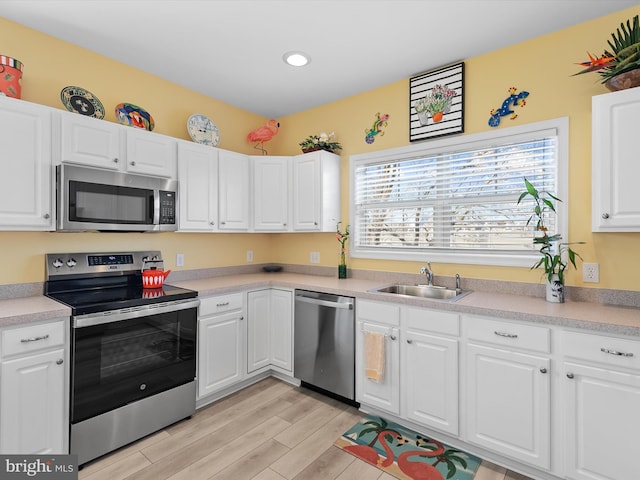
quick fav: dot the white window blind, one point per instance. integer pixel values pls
(458, 198)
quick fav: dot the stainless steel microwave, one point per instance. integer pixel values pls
(91, 199)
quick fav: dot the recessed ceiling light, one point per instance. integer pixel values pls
(296, 59)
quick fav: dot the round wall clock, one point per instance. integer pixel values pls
(202, 130)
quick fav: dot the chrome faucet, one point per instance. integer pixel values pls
(426, 270)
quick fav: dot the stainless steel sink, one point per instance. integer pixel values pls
(425, 291)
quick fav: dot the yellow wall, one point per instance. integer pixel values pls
(542, 66)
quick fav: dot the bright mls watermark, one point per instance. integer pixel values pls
(38, 467)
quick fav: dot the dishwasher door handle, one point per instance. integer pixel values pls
(325, 303)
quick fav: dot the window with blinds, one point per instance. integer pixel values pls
(456, 200)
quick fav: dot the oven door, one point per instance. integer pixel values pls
(116, 363)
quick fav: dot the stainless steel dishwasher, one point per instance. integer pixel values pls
(324, 343)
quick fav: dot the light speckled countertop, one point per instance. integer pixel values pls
(591, 316)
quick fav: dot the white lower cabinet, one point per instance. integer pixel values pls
(429, 378)
(507, 389)
(601, 388)
(34, 389)
(221, 340)
(270, 329)
(384, 319)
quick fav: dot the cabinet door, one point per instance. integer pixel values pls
(32, 404)
(198, 191)
(602, 423)
(430, 380)
(615, 166)
(89, 141)
(281, 316)
(258, 330)
(271, 193)
(383, 394)
(220, 353)
(306, 193)
(234, 195)
(508, 403)
(26, 193)
(150, 153)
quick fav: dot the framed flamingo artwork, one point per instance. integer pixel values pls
(436, 103)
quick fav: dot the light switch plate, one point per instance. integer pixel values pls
(249, 255)
(180, 260)
(314, 257)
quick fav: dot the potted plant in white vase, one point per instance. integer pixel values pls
(556, 255)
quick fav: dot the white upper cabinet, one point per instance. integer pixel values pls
(26, 192)
(316, 192)
(102, 144)
(150, 153)
(198, 187)
(234, 191)
(271, 193)
(615, 166)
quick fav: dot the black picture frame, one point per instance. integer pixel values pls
(421, 124)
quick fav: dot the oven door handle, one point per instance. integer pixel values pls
(99, 318)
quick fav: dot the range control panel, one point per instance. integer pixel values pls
(96, 263)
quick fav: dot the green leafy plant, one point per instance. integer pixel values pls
(624, 53)
(436, 100)
(552, 249)
(323, 141)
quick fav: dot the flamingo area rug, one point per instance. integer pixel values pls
(406, 454)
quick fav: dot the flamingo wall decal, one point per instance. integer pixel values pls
(263, 134)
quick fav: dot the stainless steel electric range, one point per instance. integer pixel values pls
(133, 349)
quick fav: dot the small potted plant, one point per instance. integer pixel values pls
(342, 238)
(554, 252)
(436, 102)
(323, 141)
(619, 67)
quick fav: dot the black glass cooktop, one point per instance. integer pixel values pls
(83, 302)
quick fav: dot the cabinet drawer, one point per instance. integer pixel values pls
(219, 304)
(379, 312)
(32, 338)
(602, 349)
(508, 334)
(447, 323)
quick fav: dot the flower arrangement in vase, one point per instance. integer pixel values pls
(554, 252)
(323, 141)
(342, 238)
(619, 67)
(436, 102)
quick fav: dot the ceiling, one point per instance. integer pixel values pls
(232, 49)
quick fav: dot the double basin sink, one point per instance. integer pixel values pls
(432, 292)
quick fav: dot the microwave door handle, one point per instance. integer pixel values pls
(155, 214)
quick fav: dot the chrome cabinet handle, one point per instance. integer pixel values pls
(543, 370)
(241, 318)
(35, 339)
(569, 375)
(392, 337)
(46, 216)
(224, 304)
(115, 160)
(59, 361)
(409, 341)
(505, 334)
(615, 352)
(133, 164)
(605, 215)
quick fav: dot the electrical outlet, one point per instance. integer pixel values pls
(314, 257)
(180, 260)
(590, 272)
(249, 255)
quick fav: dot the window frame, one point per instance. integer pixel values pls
(469, 141)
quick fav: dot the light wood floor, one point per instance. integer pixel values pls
(268, 431)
